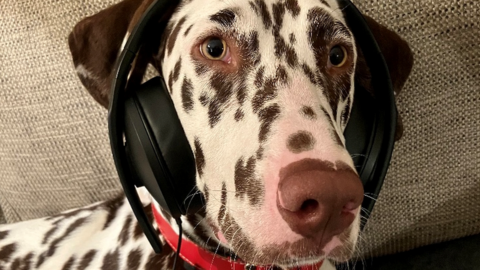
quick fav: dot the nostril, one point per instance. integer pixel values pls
(349, 207)
(309, 206)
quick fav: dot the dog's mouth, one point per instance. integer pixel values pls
(305, 252)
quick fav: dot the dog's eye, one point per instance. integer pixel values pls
(338, 56)
(214, 48)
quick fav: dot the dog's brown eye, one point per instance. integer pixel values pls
(338, 56)
(214, 48)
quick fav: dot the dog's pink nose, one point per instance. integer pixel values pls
(315, 198)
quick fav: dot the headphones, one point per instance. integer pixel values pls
(150, 148)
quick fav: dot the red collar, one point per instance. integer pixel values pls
(203, 259)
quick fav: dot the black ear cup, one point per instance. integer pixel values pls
(159, 153)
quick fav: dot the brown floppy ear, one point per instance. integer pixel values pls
(95, 44)
(399, 58)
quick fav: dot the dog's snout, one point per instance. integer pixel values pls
(315, 198)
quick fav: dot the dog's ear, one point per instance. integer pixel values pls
(399, 58)
(95, 44)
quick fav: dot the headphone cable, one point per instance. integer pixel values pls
(179, 223)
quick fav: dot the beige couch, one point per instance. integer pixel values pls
(54, 152)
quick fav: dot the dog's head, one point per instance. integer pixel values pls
(263, 89)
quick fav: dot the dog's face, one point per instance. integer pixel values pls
(263, 90)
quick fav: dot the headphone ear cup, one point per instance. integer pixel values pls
(158, 149)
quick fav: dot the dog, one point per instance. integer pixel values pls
(263, 89)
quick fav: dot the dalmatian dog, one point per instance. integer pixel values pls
(263, 89)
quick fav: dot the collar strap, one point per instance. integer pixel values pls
(205, 260)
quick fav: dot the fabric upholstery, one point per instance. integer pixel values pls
(54, 151)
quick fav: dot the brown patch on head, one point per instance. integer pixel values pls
(337, 81)
(308, 112)
(187, 95)
(246, 182)
(300, 142)
(225, 17)
(173, 35)
(7, 251)
(199, 157)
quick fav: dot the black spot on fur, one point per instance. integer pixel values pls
(325, 3)
(292, 38)
(187, 95)
(87, 259)
(262, 96)
(199, 157)
(242, 92)
(187, 30)
(203, 99)
(259, 77)
(246, 182)
(225, 17)
(174, 74)
(125, 232)
(206, 193)
(173, 36)
(263, 10)
(293, 7)
(267, 116)
(223, 87)
(3, 234)
(308, 112)
(112, 207)
(239, 115)
(69, 264)
(259, 154)
(25, 263)
(7, 251)
(134, 258)
(309, 73)
(300, 142)
(223, 205)
(111, 260)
